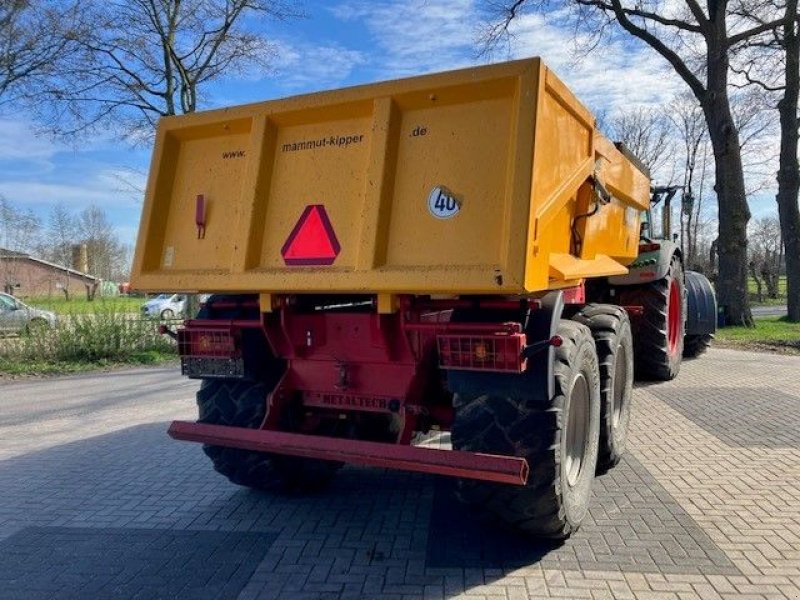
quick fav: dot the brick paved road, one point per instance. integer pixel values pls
(96, 502)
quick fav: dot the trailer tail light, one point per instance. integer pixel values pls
(209, 352)
(500, 352)
(218, 343)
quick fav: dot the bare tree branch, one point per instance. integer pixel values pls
(623, 17)
(35, 37)
(144, 59)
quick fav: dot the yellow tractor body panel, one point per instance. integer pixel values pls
(474, 181)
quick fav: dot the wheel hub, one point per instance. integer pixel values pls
(577, 429)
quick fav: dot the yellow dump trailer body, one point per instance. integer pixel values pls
(474, 181)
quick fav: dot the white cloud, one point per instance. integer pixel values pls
(36, 174)
(19, 142)
(309, 67)
(415, 36)
(420, 36)
(614, 77)
(112, 189)
(107, 188)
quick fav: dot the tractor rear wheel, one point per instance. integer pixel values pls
(241, 403)
(611, 329)
(695, 345)
(512, 415)
(658, 335)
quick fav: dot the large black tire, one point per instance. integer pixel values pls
(611, 329)
(242, 403)
(237, 404)
(695, 345)
(658, 340)
(512, 415)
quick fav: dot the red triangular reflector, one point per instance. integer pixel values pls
(312, 241)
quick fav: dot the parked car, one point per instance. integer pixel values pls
(18, 317)
(164, 306)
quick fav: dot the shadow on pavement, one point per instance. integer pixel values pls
(376, 529)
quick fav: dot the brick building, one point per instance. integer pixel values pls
(26, 277)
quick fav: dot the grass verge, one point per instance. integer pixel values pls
(773, 334)
(82, 306)
(84, 342)
(37, 368)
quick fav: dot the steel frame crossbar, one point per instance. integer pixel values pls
(455, 463)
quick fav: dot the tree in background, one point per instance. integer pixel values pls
(36, 36)
(60, 235)
(107, 257)
(766, 255)
(687, 120)
(646, 133)
(144, 59)
(22, 232)
(58, 241)
(771, 63)
(697, 42)
(18, 228)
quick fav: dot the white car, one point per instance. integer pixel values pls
(16, 317)
(164, 306)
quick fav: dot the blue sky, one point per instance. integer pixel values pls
(342, 42)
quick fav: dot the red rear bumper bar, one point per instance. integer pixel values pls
(469, 465)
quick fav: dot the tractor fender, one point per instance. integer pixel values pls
(701, 303)
(648, 266)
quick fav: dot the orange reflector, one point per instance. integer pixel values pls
(312, 241)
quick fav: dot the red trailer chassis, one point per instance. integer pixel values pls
(342, 365)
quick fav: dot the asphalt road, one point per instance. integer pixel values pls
(769, 311)
(97, 502)
(43, 413)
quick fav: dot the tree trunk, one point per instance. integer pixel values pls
(734, 213)
(757, 279)
(769, 272)
(789, 170)
(712, 260)
(732, 241)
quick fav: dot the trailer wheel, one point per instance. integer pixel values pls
(512, 415)
(695, 345)
(658, 334)
(240, 403)
(237, 404)
(611, 329)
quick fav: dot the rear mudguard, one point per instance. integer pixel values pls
(540, 326)
(701, 303)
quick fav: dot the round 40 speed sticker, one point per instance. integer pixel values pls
(442, 203)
